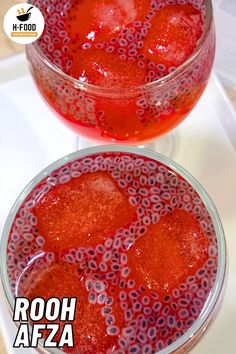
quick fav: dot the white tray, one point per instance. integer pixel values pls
(31, 137)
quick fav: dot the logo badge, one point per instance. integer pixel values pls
(23, 23)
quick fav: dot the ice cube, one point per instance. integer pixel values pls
(106, 69)
(173, 35)
(100, 20)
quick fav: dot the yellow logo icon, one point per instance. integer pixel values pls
(21, 11)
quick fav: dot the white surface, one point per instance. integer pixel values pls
(31, 137)
(225, 20)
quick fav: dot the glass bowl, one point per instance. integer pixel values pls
(132, 115)
(160, 171)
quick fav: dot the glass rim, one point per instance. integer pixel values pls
(216, 290)
(117, 91)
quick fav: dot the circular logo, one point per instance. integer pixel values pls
(23, 23)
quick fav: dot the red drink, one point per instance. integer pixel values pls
(127, 236)
(130, 70)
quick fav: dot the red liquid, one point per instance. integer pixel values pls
(89, 328)
(171, 39)
(82, 213)
(131, 238)
(171, 250)
(118, 45)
